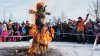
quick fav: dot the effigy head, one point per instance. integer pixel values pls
(40, 5)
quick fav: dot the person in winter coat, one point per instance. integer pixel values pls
(80, 29)
(4, 33)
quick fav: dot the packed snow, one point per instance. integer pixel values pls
(65, 48)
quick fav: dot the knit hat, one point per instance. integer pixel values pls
(80, 18)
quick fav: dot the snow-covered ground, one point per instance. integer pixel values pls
(66, 48)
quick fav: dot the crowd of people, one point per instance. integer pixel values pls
(75, 31)
(12, 31)
(81, 31)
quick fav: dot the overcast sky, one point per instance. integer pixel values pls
(19, 8)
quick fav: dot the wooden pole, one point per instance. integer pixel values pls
(94, 46)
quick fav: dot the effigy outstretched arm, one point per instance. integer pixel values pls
(32, 11)
(48, 13)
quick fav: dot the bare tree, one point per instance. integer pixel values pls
(64, 17)
(94, 9)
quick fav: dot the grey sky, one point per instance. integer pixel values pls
(19, 8)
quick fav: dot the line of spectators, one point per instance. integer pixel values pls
(87, 30)
(72, 27)
(14, 29)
